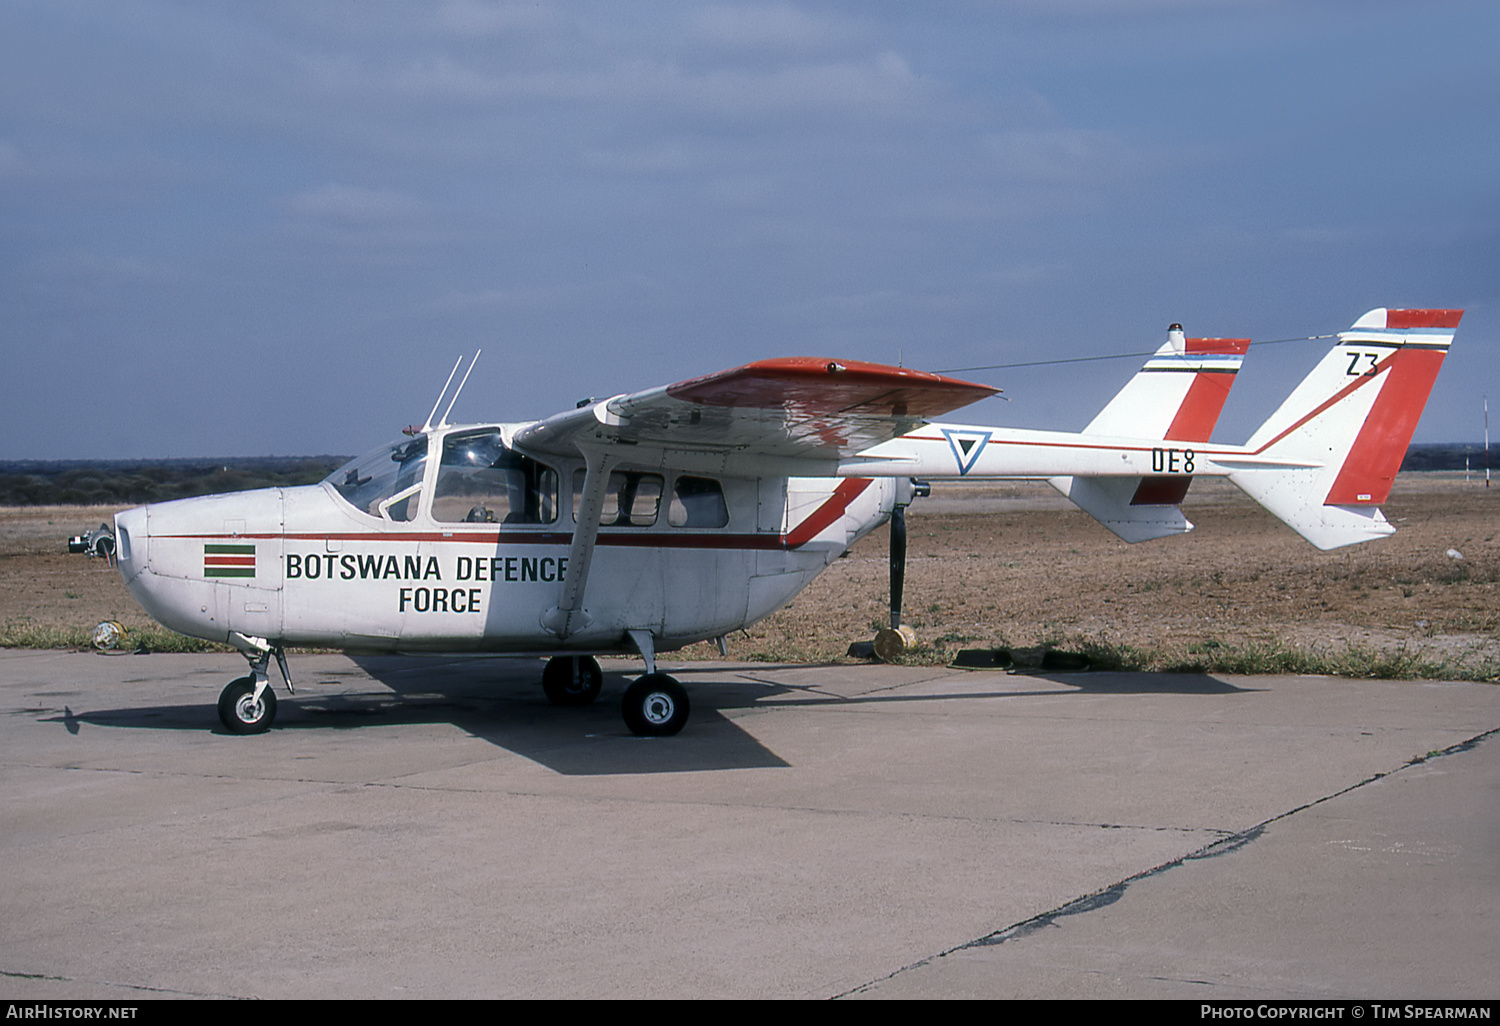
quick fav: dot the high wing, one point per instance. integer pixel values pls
(799, 415)
(1322, 463)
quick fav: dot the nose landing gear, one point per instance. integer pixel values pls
(242, 712)
(247, 705)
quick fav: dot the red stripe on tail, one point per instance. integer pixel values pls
(1370, 468)
(1200, 408)
(1161, 491)
(1222, 346)
(1395, 319)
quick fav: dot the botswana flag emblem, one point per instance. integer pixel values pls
(228, 560)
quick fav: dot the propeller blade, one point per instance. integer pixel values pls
(898, 563)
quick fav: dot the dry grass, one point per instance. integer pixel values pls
(1013, 565)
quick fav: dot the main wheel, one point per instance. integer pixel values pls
(241, 713)
(655, 706)
(572, 680)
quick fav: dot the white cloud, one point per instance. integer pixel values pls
(478, 18)
(353, 205)
(882, 80)
(1069, 155)
(766, 27)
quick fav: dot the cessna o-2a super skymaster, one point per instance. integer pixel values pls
(645, 522)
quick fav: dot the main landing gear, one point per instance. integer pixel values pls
(572, 680)
(655, 705)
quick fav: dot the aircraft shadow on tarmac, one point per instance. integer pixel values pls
(501, 701)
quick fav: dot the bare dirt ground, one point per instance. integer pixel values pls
(994, 564)
(1015, 564)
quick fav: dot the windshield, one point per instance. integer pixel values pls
(385, 483)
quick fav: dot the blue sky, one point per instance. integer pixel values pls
(270, 228)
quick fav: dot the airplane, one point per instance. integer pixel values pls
(648, 521)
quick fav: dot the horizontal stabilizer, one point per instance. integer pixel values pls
(1327, 527)
(1109, 501)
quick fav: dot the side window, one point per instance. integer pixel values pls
(697, 502)
(631, 500)
(480, 481)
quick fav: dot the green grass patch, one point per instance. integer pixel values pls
(1219, 657)
(22, 634)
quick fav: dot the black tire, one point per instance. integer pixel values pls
(239, 714)
(572, 680)
(655, 706)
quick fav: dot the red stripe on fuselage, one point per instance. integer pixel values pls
(833, 507)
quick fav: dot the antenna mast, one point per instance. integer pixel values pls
(428, 426)
(460, 387)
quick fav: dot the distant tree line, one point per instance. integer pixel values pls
(1445, 456)
(133, 482)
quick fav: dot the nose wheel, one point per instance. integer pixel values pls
(655, 706)
(242, 712)
(248, 705)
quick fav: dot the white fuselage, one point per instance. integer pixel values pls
(306, 566)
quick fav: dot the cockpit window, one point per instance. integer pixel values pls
(480, 481)
(386, 482)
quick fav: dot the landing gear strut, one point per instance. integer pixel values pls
(572, 680)
(248, 705)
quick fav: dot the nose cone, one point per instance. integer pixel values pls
(190, 563)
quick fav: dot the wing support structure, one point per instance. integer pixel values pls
(569, 615)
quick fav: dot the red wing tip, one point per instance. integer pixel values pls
(1220, 346)
(805, 367)
(1423, 318)
(817, 370)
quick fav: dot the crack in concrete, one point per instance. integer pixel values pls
(12, 975)
(1107, 896)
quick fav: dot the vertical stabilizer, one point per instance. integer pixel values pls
(1352, 418)
(1177, 395)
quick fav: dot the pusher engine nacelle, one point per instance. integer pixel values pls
(99, 542)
